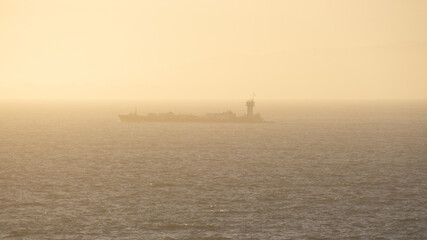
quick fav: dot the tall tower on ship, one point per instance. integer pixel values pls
(250, 104)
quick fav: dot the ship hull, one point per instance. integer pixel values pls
(138, 118)
(224, 117)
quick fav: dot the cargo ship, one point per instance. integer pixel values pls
(223, 117)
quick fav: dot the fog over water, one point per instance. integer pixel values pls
(318, 171)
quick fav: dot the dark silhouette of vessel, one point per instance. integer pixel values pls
(227, 116)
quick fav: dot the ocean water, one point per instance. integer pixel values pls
(328, 171)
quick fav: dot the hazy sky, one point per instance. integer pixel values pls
(306, 49)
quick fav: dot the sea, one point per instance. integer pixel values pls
(316, 170)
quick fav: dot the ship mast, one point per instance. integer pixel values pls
(250, 104)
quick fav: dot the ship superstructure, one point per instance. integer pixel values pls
(227, 116)
(250, 104)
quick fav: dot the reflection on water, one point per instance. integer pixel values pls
(71, 174)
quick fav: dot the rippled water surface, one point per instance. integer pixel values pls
(321, 174)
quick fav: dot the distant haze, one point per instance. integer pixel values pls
(310, 49)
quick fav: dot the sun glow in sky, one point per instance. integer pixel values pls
(106, 49)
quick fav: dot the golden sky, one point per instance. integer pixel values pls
(303, 49)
